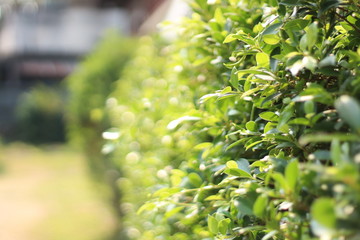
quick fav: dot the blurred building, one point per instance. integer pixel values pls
(43, 40)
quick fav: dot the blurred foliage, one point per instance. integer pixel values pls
(89, 86)
(39, 115)
(148, 96)
(244, 127)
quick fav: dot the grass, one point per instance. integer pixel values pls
(46, 194)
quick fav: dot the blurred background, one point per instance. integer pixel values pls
(41, 42)
(46, 191)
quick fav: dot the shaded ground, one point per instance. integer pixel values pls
(45, 194)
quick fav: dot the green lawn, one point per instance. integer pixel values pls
(46, 194)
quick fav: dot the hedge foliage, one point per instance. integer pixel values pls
(245, 127)
(86, 117)
(89, 86)
(39, 115)
(143, 146)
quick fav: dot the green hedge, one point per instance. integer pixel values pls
(89, 87)
(40, 115)
(245, 127)
(147, 97)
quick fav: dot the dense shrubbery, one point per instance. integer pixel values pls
(39, 115)
(89, 86)
(246, 127)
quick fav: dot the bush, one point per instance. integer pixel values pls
(147, 97)
(39, 115)
(89, 86)
(245, 128)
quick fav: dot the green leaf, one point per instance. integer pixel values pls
(232, 164)
(203, 145)
(262, 60)
(322, 154)
(279, 178)
(271, 39)
(167, 192)
(195, 179)
(336, 152)
(226, 90)
(250, 92)
(223, 226)
(349, 110)
(292, 174)
(251, 144)
(251, 126)
(175, 123)
(286, 114)
(269, 126)
(271, 97)
(245, 205)
(234, 144)
(299, 121)
(296, 25)
(219, 17)
(272, 29)
(234, 78)
(247, 85)
(238, 173)
(146, 207)
(304, 42)
(214, 198)
(173, 211)
(309, 107)
(241, 37)
(323, 211)
(312, 34)
(269, 116)
(213, 224)
(260, 205)
(229, 38)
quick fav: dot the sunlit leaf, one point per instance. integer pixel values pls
(349, 110)
(323, 211)
(262, 60)
(269, 116)
(223, 225)
(292, 174)
(231, 164)
(260, 206)
(271, 39)
(213, 224)
(237, 172)
(251, 126)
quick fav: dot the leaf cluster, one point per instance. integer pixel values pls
(244, 127)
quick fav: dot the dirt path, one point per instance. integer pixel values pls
(47, 195)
